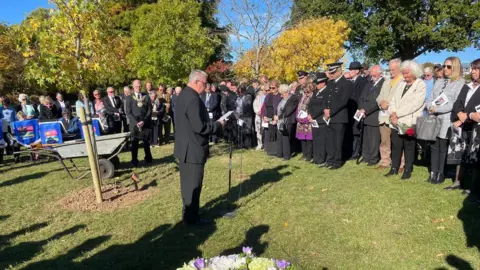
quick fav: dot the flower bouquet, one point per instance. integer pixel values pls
(404, 129)
(244, 261)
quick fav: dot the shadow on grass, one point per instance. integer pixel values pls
(252, 239)
(169, 246)
(25, 251)
(457, 263)
(4, 239)
(23, 178)
(4, 217)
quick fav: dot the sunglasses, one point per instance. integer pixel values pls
(447, 66)
(110, 92)
(273, 87)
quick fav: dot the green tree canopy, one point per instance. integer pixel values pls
(382, 30)
(169, 40)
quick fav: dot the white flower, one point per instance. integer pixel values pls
(226, 262)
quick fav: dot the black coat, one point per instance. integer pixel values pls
(339, 94)
(47, 115)
(460, 106)
(368, 102)
(290, 110)
(59, 108)
(19, 108)
(247, 114)
(193, 128)
(213, 104)
(228, 101)
(137, 114)
(317, 105)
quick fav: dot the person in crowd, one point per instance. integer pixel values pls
(347, 75)
(191, 144)
(257, 109)
(72, 124)
(41, 99)
(79, 103)
(269, 114)
(293, 87)
(389, 88)
(286, 121)
(465, 116)
(21, 116)
(1, 101)
(148, 87)
(161, 90)
(451, 86)
(61, 104)
(366, 72)
(244, 116)
(212, 103)
(113, 110)
(438, 72)
(406, 105)
(139, 113)
(7, 113)
(165, 99)
(49, 111)
(177, 91)
(302, 82)
(158, 112)
(304, 127)
(26, 107)
(214, 87)
(263, 80)
(123, 97)
(336, 114)
(316, 109)
(429, 81)
(352, 137)
(98, 104)
(369, 108)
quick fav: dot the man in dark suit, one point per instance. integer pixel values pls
(123, 97)
(316, 106)
(352, 135)
(368, 106)
(61, 104)
(139, 112)
(336, 114)
(113, 109)
(191, 143)
(212, 103)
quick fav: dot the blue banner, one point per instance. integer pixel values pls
(51, 133)
(25, 132)
(95, 126)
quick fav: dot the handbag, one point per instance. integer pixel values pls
(428, 127)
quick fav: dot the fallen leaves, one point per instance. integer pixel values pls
(346, 220)
(438, 220)
(324, 189)
(441, 254)
(285, 224)
(441, 228)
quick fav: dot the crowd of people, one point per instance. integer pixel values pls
(328, 118)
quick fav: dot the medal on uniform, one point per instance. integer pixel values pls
(140, 104)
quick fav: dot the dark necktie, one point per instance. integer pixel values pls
(406, 89)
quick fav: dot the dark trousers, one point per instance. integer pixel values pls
(191, 179)
(405, 144)
(166, 130)
(438, 155)
(284, 143)
(114, 127)
(146, 148)
(371, 144)
(156, 132)
(335, 135)
(356, 146)
(319, 144)
(307, 149)
(126, 128)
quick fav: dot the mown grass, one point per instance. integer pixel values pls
(352, 218)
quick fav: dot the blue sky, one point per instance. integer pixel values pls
(14, 11)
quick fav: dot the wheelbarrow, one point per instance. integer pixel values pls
(108, 148)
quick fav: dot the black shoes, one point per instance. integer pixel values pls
(406, 174)
(432, 177)
(335, 167)
(440, 179)
(393, 171)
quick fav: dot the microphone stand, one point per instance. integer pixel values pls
(229, 211)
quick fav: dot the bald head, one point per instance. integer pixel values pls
(137, 85)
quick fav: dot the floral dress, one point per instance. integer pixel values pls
(304, 128)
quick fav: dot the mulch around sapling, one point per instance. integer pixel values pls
(114, 197)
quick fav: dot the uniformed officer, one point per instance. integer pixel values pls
(302, 81)
(316, 108)
(336, 114)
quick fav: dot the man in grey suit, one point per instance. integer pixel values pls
(191, 143)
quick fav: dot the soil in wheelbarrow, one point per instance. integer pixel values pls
(114, 197)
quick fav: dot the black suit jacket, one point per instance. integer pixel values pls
(368, 102)
(213, 104)
(290, 109)
(317, 104)
(59, 108)
(109, 108)
(337, 100)
(137, 114)
(460, 106)
(193, 128)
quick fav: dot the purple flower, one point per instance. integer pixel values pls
(199, 263)
(283, 264)
(247, 250)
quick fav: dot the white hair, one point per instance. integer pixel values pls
(294, 84)
(126, 88)
(395, 61)
(380, 69)
(284, 88)
(414, 67)
(428, 70)
(196, 75)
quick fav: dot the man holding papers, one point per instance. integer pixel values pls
(315, 115)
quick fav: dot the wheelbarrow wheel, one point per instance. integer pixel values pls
(107, 170)
(115, 161)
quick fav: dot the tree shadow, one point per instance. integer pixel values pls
(469, 214)
(25, 251)
(23, 178)
(4, 239)
(252, 239)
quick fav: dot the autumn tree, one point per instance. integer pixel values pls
(253, 24)
(169, 40)
(308, 46)
(219, 71)
(381, 30)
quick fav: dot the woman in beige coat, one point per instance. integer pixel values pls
(406, 105)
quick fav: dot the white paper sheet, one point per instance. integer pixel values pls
(314, 124)
(302, 114)
(225, 116)
(440, 100)
(358, 115)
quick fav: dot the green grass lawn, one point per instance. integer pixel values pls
(352, 218)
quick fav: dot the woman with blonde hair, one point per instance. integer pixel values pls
(450, 86)
(257, 109)
(270, 116)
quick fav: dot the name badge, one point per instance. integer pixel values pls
(210, 115)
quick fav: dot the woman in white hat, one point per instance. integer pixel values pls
(26, 107)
